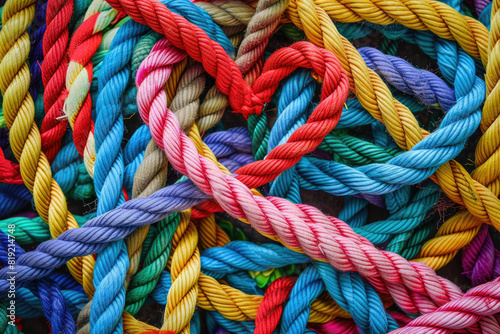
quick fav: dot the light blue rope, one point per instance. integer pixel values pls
(306, 289)
(337, 179)
(109, 168)
(133, 154)
(69, 171)
(294, 102)
(242, 255)
(358, 298)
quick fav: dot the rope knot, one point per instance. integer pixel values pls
(256, 106)
(157, 331)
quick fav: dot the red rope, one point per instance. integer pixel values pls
(271, 307)
(82, 48)
(246, 100)
(55, 43)
(9, 171)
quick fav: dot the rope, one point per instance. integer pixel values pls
(462, 227)
(78, 104)
(26, 144)
(431, 15)
(456, 190)
(54, 67)
(185, 270)
(112, 263)
(271, 307)
(480, 259)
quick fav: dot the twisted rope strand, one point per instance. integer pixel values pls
(54, 67)
(112, 263)
(271, 307)
(24, 135)
(460, 229)
(435, 16)
(452, 178)
(78, 104)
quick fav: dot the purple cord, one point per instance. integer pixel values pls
(480, 5)
(120, 222)
(480, 259)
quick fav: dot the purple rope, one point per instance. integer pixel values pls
(424, 85)
(480, 259)
(480, 5)
(120, 222)
(54, 307)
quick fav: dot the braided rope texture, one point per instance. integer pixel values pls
(117, 108)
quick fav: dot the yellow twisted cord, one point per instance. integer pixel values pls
(488, 148)
(19, 112)
(78, 80)
(173, 80)
(210, 234)
(459, 230)
(133, 326)
(375, 97)
(185, 270)
(236, 305)
(439, 18)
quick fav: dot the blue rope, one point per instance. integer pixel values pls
(241, 255)
(112, 263)
(13, 197)
(358, 298)
(293, 110)
(69, 171)
(354, 212)
(306, 289)
(133, 154)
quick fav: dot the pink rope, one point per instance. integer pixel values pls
(415, 287)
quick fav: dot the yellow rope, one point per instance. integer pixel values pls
(236, 305)
(173, 80)
(185, 270)
(431, 15)
(459, 230)
(210, 234)
(25, 140)
(376, 98)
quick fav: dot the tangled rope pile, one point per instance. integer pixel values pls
(207, 146)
